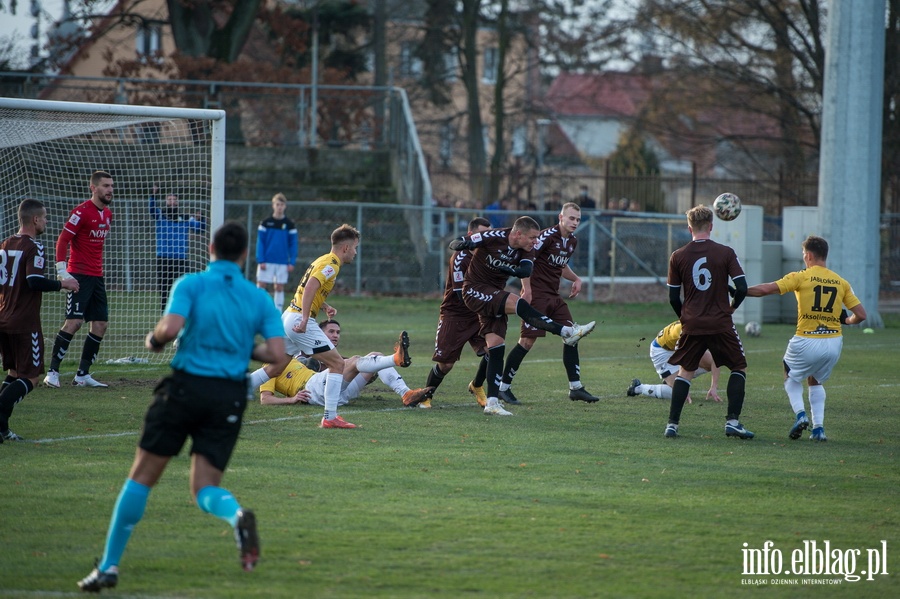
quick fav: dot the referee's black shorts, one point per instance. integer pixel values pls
(209, 410)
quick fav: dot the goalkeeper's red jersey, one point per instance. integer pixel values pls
(86, 231)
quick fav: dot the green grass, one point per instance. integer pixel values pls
(561, 500)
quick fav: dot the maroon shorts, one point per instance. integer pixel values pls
(489, 304)
(24, 353)
(553, 307)
(726, 349)
(453, 332)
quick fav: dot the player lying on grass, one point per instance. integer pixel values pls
(302, 383)
(661, 349)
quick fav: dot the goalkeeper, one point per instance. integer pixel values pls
(302, 381)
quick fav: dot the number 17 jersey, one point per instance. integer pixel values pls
(821, 295)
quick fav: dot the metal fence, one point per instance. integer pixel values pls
(622, 257)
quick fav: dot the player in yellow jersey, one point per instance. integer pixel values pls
(816, 346)
(302, 333)
(661, 349)
(299, 384)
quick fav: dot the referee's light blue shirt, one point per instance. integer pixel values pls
(223, 313)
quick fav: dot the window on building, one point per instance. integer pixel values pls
(410, 64)
(446, 149)
(450, 65)
(491, 65)
(149, 41)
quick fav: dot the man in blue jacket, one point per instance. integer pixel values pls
(276, 250)
(172, 237)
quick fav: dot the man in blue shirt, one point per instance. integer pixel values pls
(172, 230)
(276, 250)
(216, 314)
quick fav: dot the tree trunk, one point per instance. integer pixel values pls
(475, 133)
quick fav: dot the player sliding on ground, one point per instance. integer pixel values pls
(302, 383)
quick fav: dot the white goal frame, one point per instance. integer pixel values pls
(40, 146)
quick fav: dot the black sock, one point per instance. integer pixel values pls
(9, 378)
(680, 390)
(481, 373)
(513, 362)
(535, 318)
(435, 377)
(89, 353)
(12, 394)
(571, 362)
(735, 390)
(60, 348)
(495, 370)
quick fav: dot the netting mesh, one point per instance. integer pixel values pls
(50, 155)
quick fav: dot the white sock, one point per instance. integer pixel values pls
(352, 389)
(492, 401)
(392, 378)
(258, 377)
(817, 405)
(794, 390)
(333, 383)
(374, 363)
(573, 385)
(661, 391)
(567, 331)
(279, 299)
(504, 386)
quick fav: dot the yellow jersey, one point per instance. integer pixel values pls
(668, 337)
(289, 382)
(821, 295)
(325, 269)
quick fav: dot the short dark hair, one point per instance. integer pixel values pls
(230, 240)
(343, 234)
(526, 223)
(97, 175)
(28, 209)
(329, 321)
(817, 246)
(479, 221)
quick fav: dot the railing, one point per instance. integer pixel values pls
(266, 114)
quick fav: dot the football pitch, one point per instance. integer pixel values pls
(563, 499)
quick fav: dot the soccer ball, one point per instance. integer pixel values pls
(753, 329)
(727, 206)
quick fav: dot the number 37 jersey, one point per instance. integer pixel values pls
(821, 295)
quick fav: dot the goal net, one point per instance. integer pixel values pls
(48, 151)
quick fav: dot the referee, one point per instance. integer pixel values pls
(216, 314)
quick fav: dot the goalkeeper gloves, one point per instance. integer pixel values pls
(61, 271)
(461, 243)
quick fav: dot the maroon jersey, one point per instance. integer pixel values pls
(492, 251)
(701, 268)
(21, 258)
(452, 304)
(552, 253)
(86, 230)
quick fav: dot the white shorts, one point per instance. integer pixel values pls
(316, 387)
(807, 357)
(274, 273)
(660, 358)
(310, 343)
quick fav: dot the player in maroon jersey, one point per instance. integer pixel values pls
(555, 246)
(22, 281)
(458, 325)
(499, 254)
(701, 270)
(86, 232)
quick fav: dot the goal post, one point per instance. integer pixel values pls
(48, 151)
